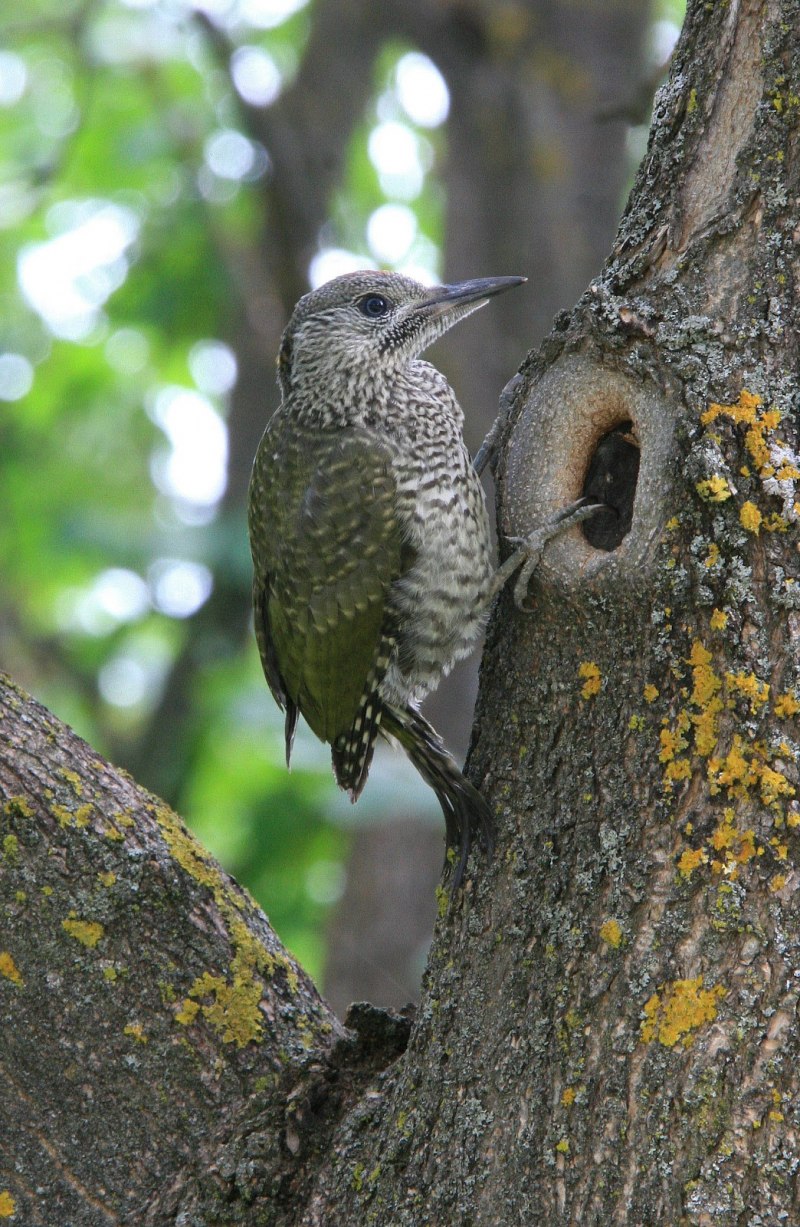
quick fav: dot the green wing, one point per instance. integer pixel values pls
(327, 547)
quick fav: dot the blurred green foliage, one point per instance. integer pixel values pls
(125, 176)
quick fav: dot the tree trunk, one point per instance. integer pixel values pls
(609, 1028)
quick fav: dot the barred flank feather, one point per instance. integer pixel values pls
(466, 814)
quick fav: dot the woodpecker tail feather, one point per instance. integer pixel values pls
(351, 752)
(466, 814)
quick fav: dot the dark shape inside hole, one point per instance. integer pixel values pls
(611, 479)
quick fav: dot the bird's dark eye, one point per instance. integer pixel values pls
(373, 306)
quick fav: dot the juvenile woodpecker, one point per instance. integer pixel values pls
(369, 532)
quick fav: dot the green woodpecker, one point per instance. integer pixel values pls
(369, 532)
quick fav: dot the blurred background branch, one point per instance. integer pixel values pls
(172, 178)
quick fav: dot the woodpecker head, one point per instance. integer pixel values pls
(371, 321)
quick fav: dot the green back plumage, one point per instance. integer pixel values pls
(327, 547)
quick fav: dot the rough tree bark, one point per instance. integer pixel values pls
(609, 1030)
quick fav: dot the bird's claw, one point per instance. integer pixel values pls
(528, 550)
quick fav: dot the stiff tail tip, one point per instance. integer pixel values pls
(468, 818)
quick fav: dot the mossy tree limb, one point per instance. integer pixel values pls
(144, 999)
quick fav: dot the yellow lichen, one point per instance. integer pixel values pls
(17, 807)
(714, 490)
(589, 671)
(611, 932)
(650, 693)
(9, 969)
(713, 555)
(677, 1010)
(706, 681)
(671, 742)
(568, 1097)
(786, 705)
(230, 1003)
(719, 620)
(74, 779)
(8, 1207)
(678, 769)
(748, 684)
(87, 932)
(773, 784)
(136, 1032)
(690, 859)
(72, 818)
(744, 410)
(107, 878)
(233, 1010)
(10, 847)
(750, 517)
(563, 1146)
(188, 1012)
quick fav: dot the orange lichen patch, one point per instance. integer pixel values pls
(8, 1207)
(750, 517)
(589, 671)
(748, 684)
(678, 769)
(737, 847)
(788, 472)
(714, 490)
(690, 859)
(732, 772)
(671, 742)
(9, 969)
(568, 1097)
(650, 693)
(719, 620)
(744, 410)
(773, 784)
(780, 850)
(743, 769)
(706, 681)
(678, 1009)
(778, 882)
(611, 933)
(87, 932)
(705, 728)
(786, 705)
(706, 698)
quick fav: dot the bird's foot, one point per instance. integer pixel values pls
(529, 550)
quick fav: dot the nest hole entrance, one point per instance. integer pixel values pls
(611, 478)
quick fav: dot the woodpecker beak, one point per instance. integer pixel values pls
(446, 298)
